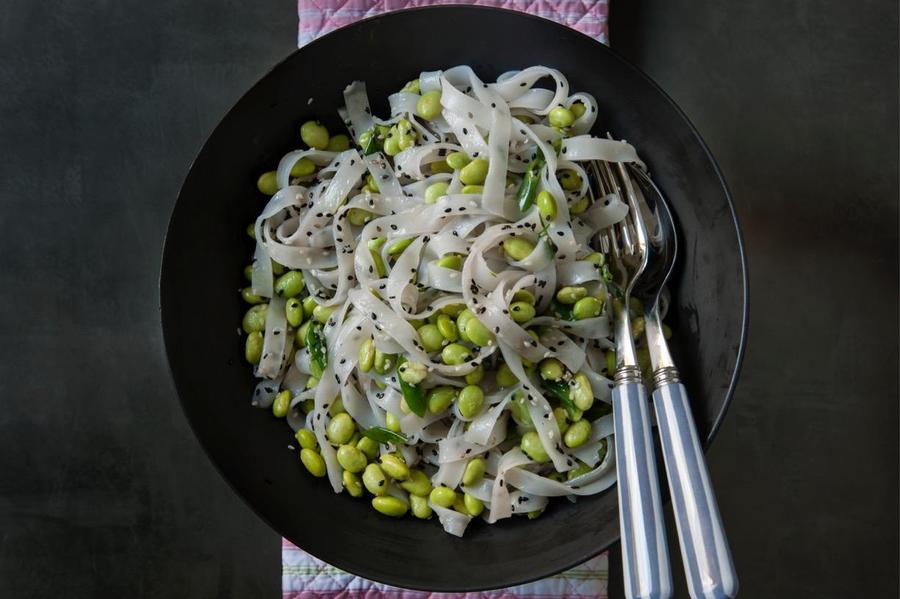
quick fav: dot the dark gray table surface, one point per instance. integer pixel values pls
(103, 490)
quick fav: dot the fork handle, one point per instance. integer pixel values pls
(645, 556)
(704, 548)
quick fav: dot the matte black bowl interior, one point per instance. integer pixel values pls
(206, 249)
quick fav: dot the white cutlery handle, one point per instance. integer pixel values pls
(645, 556)
(704, 549)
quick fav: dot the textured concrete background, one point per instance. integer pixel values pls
(103, 491)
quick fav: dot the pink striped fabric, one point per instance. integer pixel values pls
(305, 577)
(321, 16)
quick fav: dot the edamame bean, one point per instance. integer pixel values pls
(411, 87)
(577, 434)
(431, 338)
(248, 272)
(394, 466)
(374, 480)
(579, 206)
(505, 376)
(582, 394)
(533, 448)
(309, 304)
(637, 328)
(351, 459)
(267, 183)
(587, 307)
(289, 284)
(412, 372)
(523, 295)
(475, 172)
(435, 190)
(570, 180)
(478, 333)
(417, 483)
(442, 496)
(475, 377)
(667, 331)
(306, 438)
(517, 248)
(321, 314)
(384, 363)
(367, 355)
(392, 145)
(314, 134)
(392, 422)
(281, 404)
(452, 261)
(521, 311)
(446, 327)
(561, 117)
(338, 143)
(303, 168)
(596, 258)
(610, 362)
(440, 166)
(390, 506)
(519, 411)
(300, 336)
(255, 318)
(340, 429)
(546, 204)
(251, 298)
(420, 507)
(561, 421)
(429, 105)
(251, 230)
(458, 160)
(470, 400)
(474, 471)
(570, 295)
(455, 354)
(313, 462)
(472, 189)
(368, 446)
(253, 347)
(293, 311)
(578, 471)
(396, 248)
(352, 483)
(473, 505)
(440, 398)
(358, 217)
(577, 109)
(311, 383)
(551, 369)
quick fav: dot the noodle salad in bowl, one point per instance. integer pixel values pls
(430, 305)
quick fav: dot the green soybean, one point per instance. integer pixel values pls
(309, 304)
(314, 134)
(578, 471)
(340, 429)
(517, 248)
(306, 438)
(417, 483)
(300, 336)
(253, 347)
(577, 434)
(570, 180)
(440, 398)
(289, 284)
(435, 190)
(255, 318)
(367, 355)
(384, 363)
(587, 307)
(293, 311)
(610, 362)
(570, 295)
(338, 143)
(248, 272)
(579, 206)
(551, 369)
(472, 189)
(442, 496)
(561, 117)
(475, 377)
(474, 471)
(313, 462)
(440, 166)
(457, 160)
(251, 232)
(521, 311)
(322, 313)
(470, 400)
(637, 327)
(267, 183)
(390, 506)
(451, 261)
(374, 479)
(411, 87)
(431, 337)
(577, 109)
(396, 248)
(281, 404)
(420, 508)
(475, 172)
(478, 333)
(546, 204)
(392, 422)
(368, 446)
(251, 298)
(446, 327)
(561, 421)
(505, 376)
(394, 466)
(582, 394)
(455, 354)
(595, 258)
(358, 217)
(429, 105)
(303, 168)
(473, 505)
(352, 483)
(533, 448)
(351, 459)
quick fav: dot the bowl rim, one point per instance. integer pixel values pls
(168, 256)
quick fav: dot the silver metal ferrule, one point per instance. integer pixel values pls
(627, 374)
(666, 376)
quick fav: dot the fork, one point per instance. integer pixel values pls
(709, 568)
(645, 556)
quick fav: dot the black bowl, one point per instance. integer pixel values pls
(206, 248)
